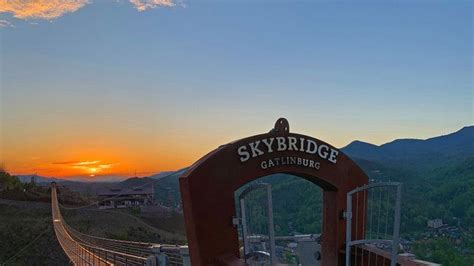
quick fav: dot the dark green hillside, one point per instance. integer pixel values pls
(11, 188)
(297, 205)
(450, 188)
(445, 191)
(22, 224)
(8, 182)
(136, 182)
(415, 153)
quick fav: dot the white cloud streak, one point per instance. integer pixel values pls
(5, 23)
(142, 5)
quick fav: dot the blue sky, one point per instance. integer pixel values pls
(207, 72)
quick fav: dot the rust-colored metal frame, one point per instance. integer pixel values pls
(207, 191)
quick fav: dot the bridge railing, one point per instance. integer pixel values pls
(83, 249)
(134, 248)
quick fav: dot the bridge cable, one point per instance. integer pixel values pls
(25, 247)
(364, 218)
(370, 206)
(357, 226)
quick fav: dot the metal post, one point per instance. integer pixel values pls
(244, 226)
(271, 229)
(184, 251)
(396, 227)
(348, 229)
(75, 251)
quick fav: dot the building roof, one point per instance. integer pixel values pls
(124, 191)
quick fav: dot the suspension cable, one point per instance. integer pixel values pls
(357, 226)
(379, 212)
(25, 247)
(364, 213)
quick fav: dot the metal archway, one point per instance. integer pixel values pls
(207, 190)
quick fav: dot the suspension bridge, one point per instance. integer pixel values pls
(83, 249)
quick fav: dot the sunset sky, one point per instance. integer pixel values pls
(107, 88)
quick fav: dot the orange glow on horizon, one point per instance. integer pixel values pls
(119, 162)
(66, 151)
(98, 169)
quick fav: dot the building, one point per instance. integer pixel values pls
(435, 223)
(124, 197)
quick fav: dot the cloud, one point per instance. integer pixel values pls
(5, 23)
(142, 5)
(107, 166)
(78, 163)
(52, 9)
(90, 167)
(86, 164)
(40, 9)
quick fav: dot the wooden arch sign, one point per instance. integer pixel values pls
(207, 190)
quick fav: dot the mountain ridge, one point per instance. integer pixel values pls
(425, 152)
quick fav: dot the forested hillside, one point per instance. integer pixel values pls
(417, 154)
(437, 175)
